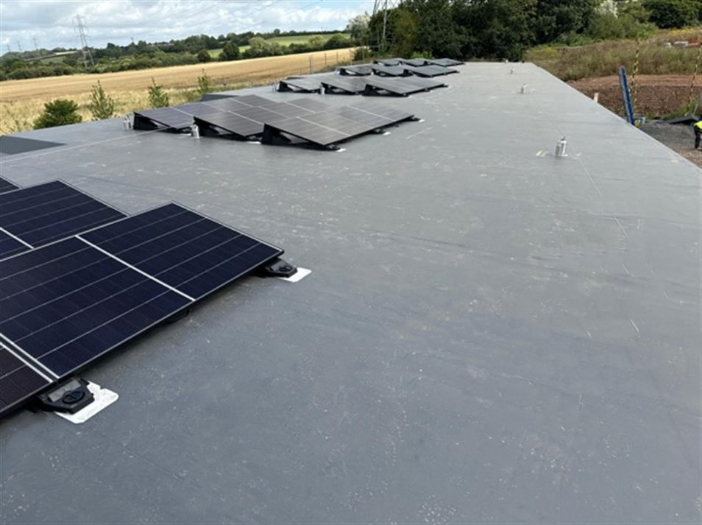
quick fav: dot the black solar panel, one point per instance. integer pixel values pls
(289, 110)
(48, 212)
(445, 62)
(424, 83)
(416, 62)
(10, 145)
(382, 110)
(389, 71)
(18, 381)
(231, 122)
(199, 109)
(306, 130)
(168, 117)
(389, 61)
(431, 71)
(396, 86)
(336, 125)
(6, 185)
(227, 104)
(308, 85)
(255, 100)
(185, 250)
(68, 303)
(10, 245)
(356, 70)
(310, 103)
(351, 85)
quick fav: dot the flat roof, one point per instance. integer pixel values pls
(488, 334)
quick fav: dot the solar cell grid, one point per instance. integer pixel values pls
(302, 84)
(18, 381)
(10, 246)
(346, 84)
(309, 131)
(47, 212)
(185, 250)
(255, 100)
(68, 303)
(233, 123)
(369, 120)
(168, 117)
(310, 104)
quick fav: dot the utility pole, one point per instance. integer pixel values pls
(384, 6)
(82, 33)
(36, 47)
(9, 49)
(19, 46)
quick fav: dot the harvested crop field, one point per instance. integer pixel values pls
(21, 101)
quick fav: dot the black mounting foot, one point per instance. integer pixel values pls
(278, 268)
(70, 396)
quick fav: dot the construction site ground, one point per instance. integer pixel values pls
(656, 96)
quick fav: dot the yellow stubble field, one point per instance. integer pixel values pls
(22, 101)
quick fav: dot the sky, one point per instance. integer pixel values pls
(52, 22)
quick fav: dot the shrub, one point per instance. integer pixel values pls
(59, 112)
(672, 13)
(101, 105)
(204, 83)
(158, 98)
(204, 56)
(230, 51)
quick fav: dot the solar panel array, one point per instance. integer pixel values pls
(339, 124)
(80, 291)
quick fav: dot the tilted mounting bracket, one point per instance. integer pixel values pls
(70, 396)
(278, 268)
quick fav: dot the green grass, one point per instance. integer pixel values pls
(604, 58)
(283, 41)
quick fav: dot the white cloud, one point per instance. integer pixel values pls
(52, 22)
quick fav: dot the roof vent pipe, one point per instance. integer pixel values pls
(561, 148)
(524, 89)
(195, 131)
(127, 122)
(511, 71)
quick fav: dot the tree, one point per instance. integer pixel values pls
(158, 98)
(59, 112)
(203, 56)
(230, 51)
(557, 18)
(358, 28)
(672, 13)
(101, 105)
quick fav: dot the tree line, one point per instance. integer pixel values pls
(505, 29)
(144, 55)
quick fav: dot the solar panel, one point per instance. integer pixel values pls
(382, 110)
(368, 119)
(255, 100)
(305, 85)
(170, 118)
(68, 303)
(10, 245)
(336, 125)
(445, 62)
(396, 86)
(424, 83)
(242, 127)
(389, 71)
(199, 109)
(47, 212)
(183, 249)
(416, 62)
(289, 110)
(431, 71)
(389, 61)
(310, 103)
(228, 104)
(348, 85)
(6, 185)
(18, 381)
(361, 70)
(305, 130)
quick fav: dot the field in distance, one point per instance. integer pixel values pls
(282, 40)
(21, 101)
